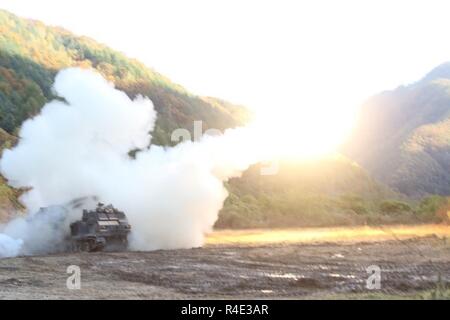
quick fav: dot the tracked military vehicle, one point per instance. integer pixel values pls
(104, 228)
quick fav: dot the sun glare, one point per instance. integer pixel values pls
(306, 130)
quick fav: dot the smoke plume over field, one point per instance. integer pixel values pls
(78, 146)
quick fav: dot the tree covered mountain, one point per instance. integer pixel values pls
(403, 136)
(31, 53)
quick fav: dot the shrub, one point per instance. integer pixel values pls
(431, 208)
(393, 206)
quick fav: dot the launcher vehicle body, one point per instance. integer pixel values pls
(104, 228)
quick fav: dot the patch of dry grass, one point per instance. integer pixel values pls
(337, 234)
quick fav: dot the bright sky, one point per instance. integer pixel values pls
(318, 55)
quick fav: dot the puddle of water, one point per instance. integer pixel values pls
(283, 276)
(346, 276)
(267, 291)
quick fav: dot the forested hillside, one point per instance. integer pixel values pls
(31, 53)
(403, 136)
(326, 192)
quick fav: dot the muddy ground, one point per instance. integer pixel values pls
(292, 270)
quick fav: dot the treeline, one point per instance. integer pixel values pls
(330, 192)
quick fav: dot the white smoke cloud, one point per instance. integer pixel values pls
(80, 147)
(9, 247)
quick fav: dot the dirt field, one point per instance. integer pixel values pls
(306, 263)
